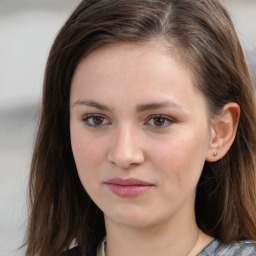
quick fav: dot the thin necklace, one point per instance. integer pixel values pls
(102, 246)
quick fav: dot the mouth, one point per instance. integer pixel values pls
(128, 187)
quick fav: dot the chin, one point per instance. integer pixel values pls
(133, 219)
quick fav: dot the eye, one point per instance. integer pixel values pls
(160, 121)
(95, 120)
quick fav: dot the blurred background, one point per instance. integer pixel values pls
(27, 30)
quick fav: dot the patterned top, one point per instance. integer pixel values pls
(215, 248)
(241, 248)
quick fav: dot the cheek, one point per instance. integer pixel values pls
(88, 158)
(181, 158)
(87, 153)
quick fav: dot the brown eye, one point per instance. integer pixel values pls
(159, 121)
(95, 120)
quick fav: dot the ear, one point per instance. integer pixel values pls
(223, 132)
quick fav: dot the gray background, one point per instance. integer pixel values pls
(27, 29)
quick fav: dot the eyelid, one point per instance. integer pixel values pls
(86, 117)
(167, 118)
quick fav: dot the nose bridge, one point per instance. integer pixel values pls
(125, 149)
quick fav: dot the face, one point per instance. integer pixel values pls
(139, 133)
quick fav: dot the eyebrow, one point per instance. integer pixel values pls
(152, 106)
(139, 108)
(93, 104)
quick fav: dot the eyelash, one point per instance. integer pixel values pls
(163, 118)
(87, 119)
(152, 118)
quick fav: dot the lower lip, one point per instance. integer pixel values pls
(128, 191)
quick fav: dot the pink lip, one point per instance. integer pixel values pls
(128, 187)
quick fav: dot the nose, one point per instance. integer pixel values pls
(125, 149)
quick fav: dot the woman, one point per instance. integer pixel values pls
(146, 143)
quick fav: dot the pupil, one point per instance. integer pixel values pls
(158, 121)
(97, 120)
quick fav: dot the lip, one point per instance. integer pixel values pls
(130, 187)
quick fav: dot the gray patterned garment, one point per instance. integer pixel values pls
(217, 248)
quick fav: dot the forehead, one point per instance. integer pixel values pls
(131, 57)
(139, 72)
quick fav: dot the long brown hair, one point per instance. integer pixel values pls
(199, 33)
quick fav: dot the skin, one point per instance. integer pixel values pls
(126, 139)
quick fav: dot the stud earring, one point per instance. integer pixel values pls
(215, 154)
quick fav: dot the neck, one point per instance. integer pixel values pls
(170, 238)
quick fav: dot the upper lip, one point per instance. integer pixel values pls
(128, 182)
